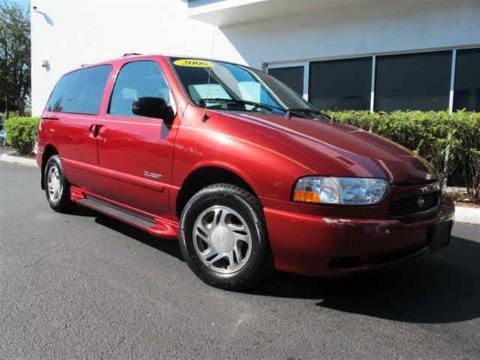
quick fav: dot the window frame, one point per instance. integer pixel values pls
(454, 73)
(137, 117)
(452, 49)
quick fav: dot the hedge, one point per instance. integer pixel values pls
(436, 136)
(22, 133)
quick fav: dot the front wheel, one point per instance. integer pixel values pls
(57, 187)
(223, 237)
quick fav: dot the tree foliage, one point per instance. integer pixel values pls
(14, 57)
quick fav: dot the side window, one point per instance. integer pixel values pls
(137, 79)
(80, 91)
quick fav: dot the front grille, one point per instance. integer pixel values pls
(410, 205)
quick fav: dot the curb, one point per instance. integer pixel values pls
(18, 160)
(462, 214)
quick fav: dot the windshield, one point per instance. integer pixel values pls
(220, 85)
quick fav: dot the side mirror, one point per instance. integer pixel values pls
(153, 107)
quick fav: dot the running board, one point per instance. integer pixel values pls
(118, 213)
(155, 225)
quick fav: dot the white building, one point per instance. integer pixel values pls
(358, 54)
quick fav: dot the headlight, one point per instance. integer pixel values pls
(341, 190)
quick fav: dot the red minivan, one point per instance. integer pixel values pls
(238, 167)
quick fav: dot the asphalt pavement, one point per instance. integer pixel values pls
(88, 287)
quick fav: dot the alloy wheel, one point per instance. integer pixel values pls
(222, 239)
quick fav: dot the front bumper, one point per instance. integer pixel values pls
(334, 246)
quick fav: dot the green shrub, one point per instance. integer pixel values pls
(436, 136)
(22, 133)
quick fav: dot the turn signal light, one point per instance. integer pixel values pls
(306, 196)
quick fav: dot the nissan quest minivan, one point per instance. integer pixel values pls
(233, 163)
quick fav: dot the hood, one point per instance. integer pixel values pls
(360, 152)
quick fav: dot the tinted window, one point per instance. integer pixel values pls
(467, 80)
(341, 84)
(414, 81)
(80, 91)
(291, 76)
(135, 80)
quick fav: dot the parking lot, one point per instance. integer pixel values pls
(86, 286)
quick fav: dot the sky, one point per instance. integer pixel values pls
(23, 3)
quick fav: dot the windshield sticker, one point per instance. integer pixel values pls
(193, 63)
(209, 91)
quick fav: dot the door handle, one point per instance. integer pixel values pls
(101, 133)
(97, 131)
(93, 130)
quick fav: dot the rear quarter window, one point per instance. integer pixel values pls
(80, 91)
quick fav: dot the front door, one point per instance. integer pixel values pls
(135, 153)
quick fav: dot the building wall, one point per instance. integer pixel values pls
(368, 27)
(74, 32)
(71, 33)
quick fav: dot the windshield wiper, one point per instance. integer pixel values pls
(300, 112)
(243, 102)
(307, 114)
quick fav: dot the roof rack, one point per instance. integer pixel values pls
(131, 54)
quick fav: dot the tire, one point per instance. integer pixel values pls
(217, 223)
(57, 188)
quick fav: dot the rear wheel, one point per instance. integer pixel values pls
(223, 237)
(57, 187)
